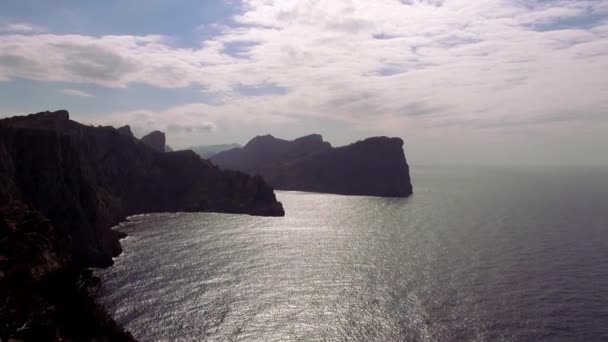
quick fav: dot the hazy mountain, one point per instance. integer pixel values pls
(206, 151)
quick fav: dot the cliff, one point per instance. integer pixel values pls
(86, 179)
(155, 140)
(126, 131)
(43, 297)
(373, 167)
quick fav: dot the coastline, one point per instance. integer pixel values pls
(45, 295)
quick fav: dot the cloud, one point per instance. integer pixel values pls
(20, 28)
(237, 49)
(260, 89)
(382, 65)
(75, 92)
(198, 128)
(95, 62)
(189, 123)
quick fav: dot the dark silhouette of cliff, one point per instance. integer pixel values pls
(43, 295)
(126, 131)
(86, 179)
(155, 140)
(374, 166)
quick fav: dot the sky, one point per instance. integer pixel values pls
(461, 81)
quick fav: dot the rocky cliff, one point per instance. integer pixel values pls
(374, 166)
(43, 296)
(155, 140)
(86, 179)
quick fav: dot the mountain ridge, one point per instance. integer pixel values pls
(374, 166)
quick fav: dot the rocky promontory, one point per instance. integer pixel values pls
(374, 166)
(86, 179)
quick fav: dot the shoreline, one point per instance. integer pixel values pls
(45, 295)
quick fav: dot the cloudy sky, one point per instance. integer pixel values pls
(484, 81)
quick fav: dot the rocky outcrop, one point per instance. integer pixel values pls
(155, 140)
(43, 296)
(374, 166)
(87, 179)
(126, 131)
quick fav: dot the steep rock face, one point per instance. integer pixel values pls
(374, 166)
(43, 297)
(86, 179)
(126, 131)
(155, 140)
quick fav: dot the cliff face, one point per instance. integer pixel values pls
(126, 130)
(374, 167)
(155, 140)
(86, 179)
(43, 297)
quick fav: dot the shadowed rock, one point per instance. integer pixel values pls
(43, 297)
(155, 140)
(374, 166)
(87, 179)
(126, 131)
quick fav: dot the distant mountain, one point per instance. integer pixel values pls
(86, 179)
(206, 151)
(374, 166)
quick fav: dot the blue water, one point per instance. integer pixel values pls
(477, 254)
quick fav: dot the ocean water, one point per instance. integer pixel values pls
(477, 254)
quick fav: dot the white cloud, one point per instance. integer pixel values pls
(186, 125)
(20, 28)
(382, 65)
(75, 92)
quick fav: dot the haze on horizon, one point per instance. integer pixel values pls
(518, 81)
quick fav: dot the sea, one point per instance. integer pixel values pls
(509, 253)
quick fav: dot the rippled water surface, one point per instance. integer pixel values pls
(479, 255)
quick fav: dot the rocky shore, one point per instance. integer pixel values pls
(44, 296)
